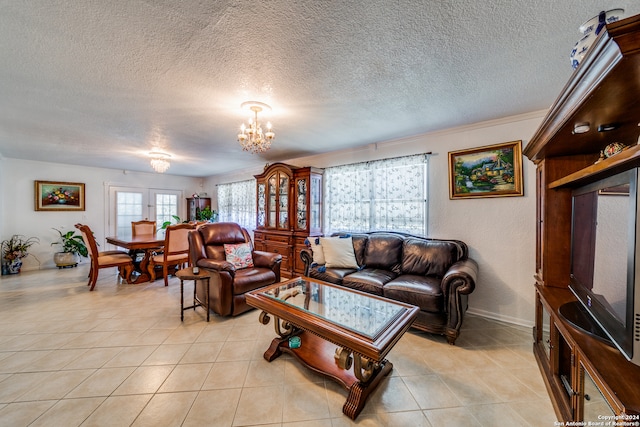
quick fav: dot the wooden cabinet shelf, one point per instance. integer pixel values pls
(622, 161)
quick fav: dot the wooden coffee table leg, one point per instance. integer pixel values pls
(273, 352)
(320, 356)
(284, 331)
(359, 391)
(360, 379)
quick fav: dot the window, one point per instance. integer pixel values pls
(388, 194)
(166, 208)
(237, 203)
(128, 209)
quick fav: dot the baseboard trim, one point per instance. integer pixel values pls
(501, 318)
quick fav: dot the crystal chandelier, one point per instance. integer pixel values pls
(251, 137)
(160, 161)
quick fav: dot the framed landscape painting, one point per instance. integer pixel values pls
(59, 196)
(490, 171)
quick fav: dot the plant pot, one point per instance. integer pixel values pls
(14, 266)
(66, 259)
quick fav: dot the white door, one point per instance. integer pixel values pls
(128, 204)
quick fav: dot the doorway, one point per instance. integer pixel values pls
(128, 204)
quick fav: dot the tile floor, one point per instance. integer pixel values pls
(120, 356)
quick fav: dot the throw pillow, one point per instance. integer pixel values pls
(318, 252)
(239, 255)
(338, 252)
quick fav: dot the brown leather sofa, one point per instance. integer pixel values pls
(435, 275)
(206, 250)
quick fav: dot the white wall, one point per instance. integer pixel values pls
(500, 231)
(18, 216)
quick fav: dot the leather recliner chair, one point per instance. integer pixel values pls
(206, 250)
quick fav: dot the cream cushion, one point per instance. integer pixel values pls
(338, 252)
(170, 258)
(318, 252)
(118, 257)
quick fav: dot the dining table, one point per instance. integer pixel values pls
(148, 244)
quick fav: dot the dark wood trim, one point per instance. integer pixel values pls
(604, 89)
(618, 378)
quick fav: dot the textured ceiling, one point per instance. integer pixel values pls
(102, 82)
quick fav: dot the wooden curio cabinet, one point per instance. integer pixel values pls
(195, 205)
(587, 379)
(289, 209)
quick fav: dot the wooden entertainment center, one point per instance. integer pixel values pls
(587, 379)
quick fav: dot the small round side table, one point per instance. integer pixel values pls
(188, 274)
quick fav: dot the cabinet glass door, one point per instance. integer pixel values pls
(261, 205)
(595, 406)
(301, 204)
(546, 331)
(283, 194)
(316, 203)
(565, 368)
(273, 202)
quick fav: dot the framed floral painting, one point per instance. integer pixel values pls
(490, 171)
(59, 196)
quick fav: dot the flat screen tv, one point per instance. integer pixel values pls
(605, 238)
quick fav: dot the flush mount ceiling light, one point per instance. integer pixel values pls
(251, 137)
(581, 127)
(160, 161)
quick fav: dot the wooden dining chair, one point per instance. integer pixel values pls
(144, 226)
(107, 259)
(176, 250)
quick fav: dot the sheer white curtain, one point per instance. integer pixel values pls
(237, 203)
(388, 194)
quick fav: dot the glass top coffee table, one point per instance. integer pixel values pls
(332, 329)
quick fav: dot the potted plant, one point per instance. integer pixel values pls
(168, 223)
(14, 249)
(72, 247)
(207, 214)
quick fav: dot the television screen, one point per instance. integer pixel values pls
(600, 251)
(603, 239)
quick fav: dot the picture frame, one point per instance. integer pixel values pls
(488, 171)
(59, 196)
